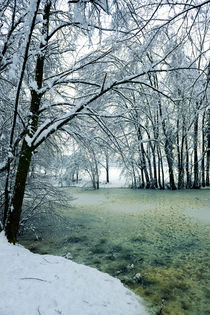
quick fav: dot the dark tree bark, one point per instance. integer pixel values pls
(208, 149)
(142, 182)
(180, 153)
(14, 215)
(168, 149)
(148, 155)
(143, 159)
(17, 96)
(12, 224)
(134, 181)
(161, 170)
(77, 176)
(169, 158)
(155, 181)
(196, 184)
(203, 153)
(107, 168)
(187, 165)
(97, 177)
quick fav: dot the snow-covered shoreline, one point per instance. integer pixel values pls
(45, 284)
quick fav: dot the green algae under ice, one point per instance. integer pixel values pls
(156, 242)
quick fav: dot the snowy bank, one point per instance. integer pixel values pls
(47, 285)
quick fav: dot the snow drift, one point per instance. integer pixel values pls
(47, 285)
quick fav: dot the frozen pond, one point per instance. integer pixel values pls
(156, 242)
(202, 214)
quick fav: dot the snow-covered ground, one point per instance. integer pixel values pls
(47, 285)
(116, 179)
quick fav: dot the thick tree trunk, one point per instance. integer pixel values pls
(7, 191)
(13, 219)
(6, 195)
(12, 224)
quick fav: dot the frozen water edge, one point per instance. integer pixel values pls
(110, 229)
(46, 284)
(201, 215)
